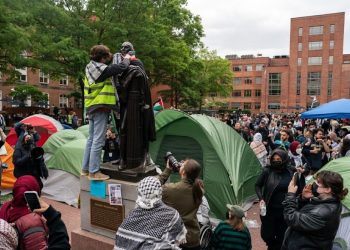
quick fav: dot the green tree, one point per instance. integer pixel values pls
(22, 92)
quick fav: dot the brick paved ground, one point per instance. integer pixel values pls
(71, 217)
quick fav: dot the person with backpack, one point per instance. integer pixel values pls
(31, 227)
(33, 232)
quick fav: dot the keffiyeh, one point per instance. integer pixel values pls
(94, 70)
(152, 224)
(8, 236)
(149, 192)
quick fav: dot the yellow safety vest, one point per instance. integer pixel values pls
(99, 93)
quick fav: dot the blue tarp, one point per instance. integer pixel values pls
(335, 109)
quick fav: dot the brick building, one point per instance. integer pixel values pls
(57, 90)
(315, 68)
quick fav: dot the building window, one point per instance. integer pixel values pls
(236, 80)
(315, 60)
(298, 82)
(300, 46)
(237, 68)
(300, 31)
(63, 101)
(236, 93)
(236, 105)
(329, 83)
(315, 45)
(299, 61)
(43, 78)
(331, 44)
(247, 105)
(257, 92)
(249, 68)
(258, 80)
(248, 81)
(273, 105)
(247, 93)
(330, 60)
(257, 105)
(22, 74)
(64, 81)
(332, 28)
(274, 83)
(259, 67)
(313, 83)
(316, 30)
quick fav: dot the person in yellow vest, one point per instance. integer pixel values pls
(99, 99)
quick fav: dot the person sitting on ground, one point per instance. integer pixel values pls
(152, 224)
(313, 218)
(231, 234)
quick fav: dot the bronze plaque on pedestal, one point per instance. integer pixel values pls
(104, 215)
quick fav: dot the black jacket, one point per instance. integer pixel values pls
(58, 236)
(313, 226)
(267, 182)
(26, 165)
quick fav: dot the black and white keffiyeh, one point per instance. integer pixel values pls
(158, 228)
(151, 224)
(149, 192)
(93, 71)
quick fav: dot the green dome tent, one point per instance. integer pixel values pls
(64, 160)
(60, 138)
(230, 167)
(84, 129)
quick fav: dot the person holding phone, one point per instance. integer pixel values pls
(313, 218)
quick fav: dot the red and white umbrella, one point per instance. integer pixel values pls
(43, 124)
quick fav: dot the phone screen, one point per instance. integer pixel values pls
(295, 179)
(32, 199)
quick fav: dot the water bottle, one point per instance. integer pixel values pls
(263, 209)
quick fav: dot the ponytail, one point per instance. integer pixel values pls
(192, 170)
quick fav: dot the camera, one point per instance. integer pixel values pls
(174, 164)
(37, 153)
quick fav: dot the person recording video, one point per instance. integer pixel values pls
(26, 128)
(28, 159)
(185, 196)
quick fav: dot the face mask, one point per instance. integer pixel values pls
(298, 151)
(276, 164)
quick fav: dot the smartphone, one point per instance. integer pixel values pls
(295, 179)
(32, 199)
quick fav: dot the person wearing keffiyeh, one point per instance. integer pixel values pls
(8, 236)
(99, 99)
(151, 224)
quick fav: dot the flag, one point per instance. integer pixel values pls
(158, 105)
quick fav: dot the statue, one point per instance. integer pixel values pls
(137, 124)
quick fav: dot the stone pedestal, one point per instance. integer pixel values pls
(94, 237)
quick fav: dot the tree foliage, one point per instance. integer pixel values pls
(21, 93)
(58, 34)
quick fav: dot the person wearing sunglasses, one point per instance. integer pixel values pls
(314, 217)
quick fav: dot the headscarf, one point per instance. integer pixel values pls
(8, 236)
(149, 192)
(284, 156)
(293, 147)
(17, 207)
(257, 137)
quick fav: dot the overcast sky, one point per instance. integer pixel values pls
(259, 26)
